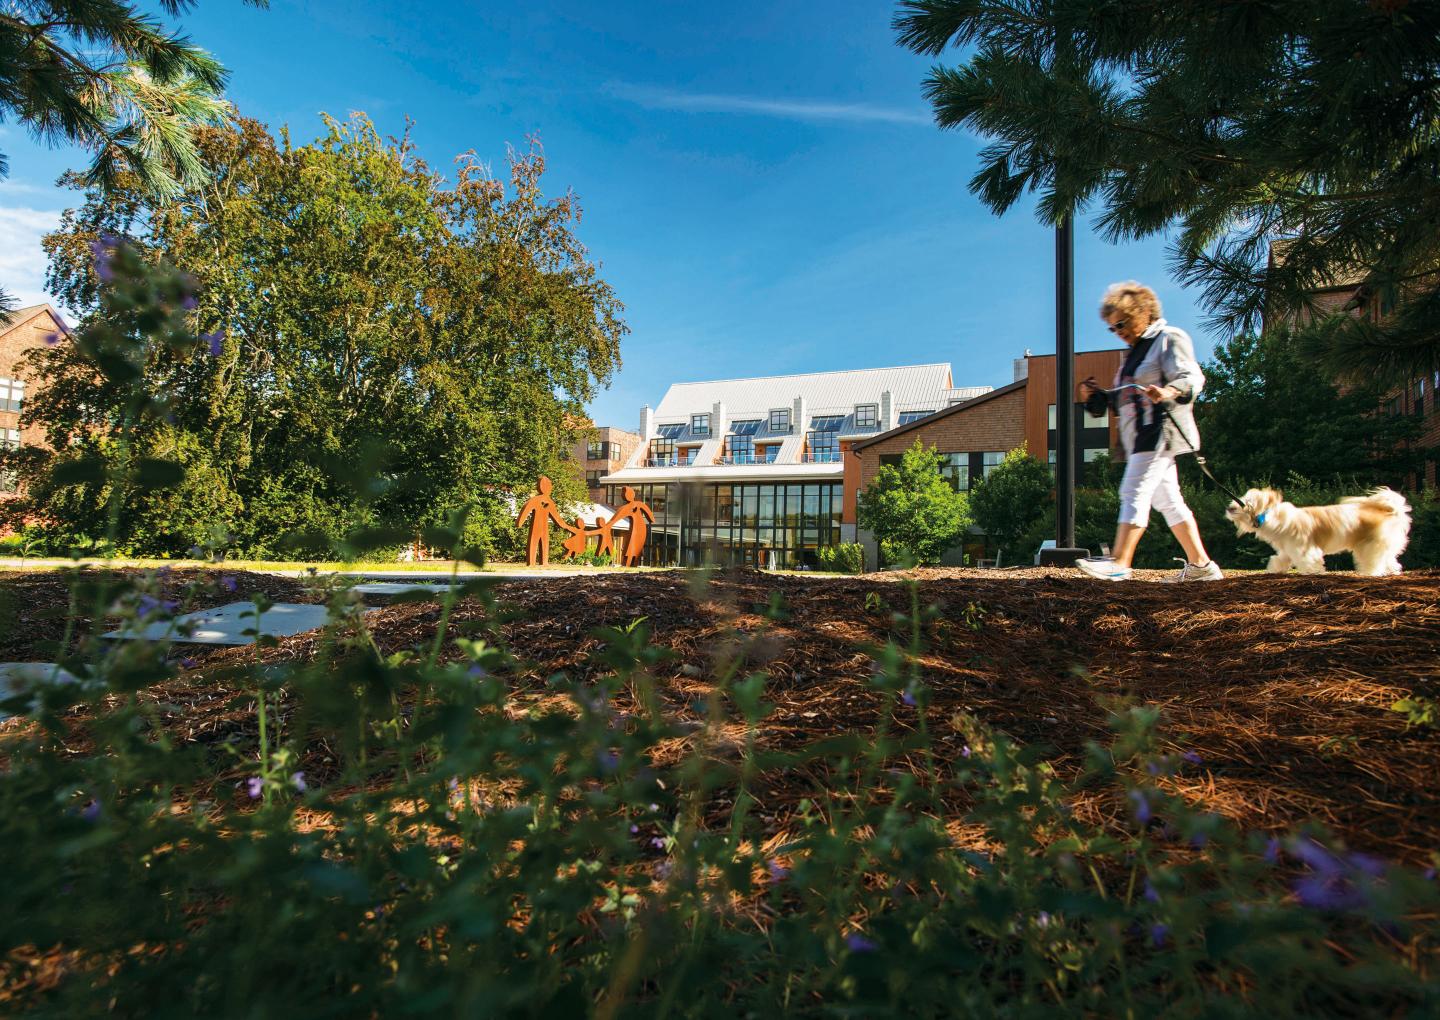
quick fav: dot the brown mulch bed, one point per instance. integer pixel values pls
(1282, 684)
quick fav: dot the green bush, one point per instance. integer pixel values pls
(844, 558)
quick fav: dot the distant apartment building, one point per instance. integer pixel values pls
(605, 450)
(752, 471)
(27, 329)
(1351, 295)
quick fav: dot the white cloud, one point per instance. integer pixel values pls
(789, 109)
(22, 262)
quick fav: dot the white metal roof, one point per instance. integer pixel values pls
(823, 392)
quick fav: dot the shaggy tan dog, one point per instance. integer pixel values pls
(1374, 528)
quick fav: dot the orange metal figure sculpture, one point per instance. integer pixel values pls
(540, 510)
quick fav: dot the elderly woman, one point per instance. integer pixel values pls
(1152, 393)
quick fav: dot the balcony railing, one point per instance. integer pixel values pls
(741, 458)
(821, 457)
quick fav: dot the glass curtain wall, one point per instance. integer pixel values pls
(753, 524)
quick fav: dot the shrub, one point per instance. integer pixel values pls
(844, 558)
(1007, 502)
(912, 509)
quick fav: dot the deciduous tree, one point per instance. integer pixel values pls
(910, 506)
(1008, 501)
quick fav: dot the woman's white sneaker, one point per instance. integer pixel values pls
(1103, 568)
(1190, 572)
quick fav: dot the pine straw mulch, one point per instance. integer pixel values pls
(1282, 684)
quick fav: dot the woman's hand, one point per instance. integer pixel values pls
(1160, 394)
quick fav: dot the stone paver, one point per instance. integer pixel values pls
(224, 625)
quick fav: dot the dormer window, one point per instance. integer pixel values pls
(867, 416)
(700, 424)
(780, 420)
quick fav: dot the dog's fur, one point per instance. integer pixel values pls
(1374, 528)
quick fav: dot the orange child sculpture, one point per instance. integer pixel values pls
(540, 510)
(638, 514)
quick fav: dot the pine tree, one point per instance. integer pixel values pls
(102, 75)
(1242, 123)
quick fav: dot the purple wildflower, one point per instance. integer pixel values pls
(908, 696)
(1333, 882)
(1192, 757)
(228, 583)
(1150, 893)
(1428, 874)
(254, 786)
(1272, 851)
(189, 303)
(965, 751)
(187, 663)
(1043, 919)
(658, 842)
(477, 670)
(778, 871)
(91, 811)
(148, 605)
(857, 943)
(1142, 806)
(215, 341)
(1199, 839)
(1159, 933)
(101, 251)
(1152, 767)
(634, 829)
(453, 784)
(654, 808)
(299, 780)
(607, 759)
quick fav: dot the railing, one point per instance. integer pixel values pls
(663, 462)
(740, 458)
(821, 457)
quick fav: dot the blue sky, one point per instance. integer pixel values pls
(761, 182)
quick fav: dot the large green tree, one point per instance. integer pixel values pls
(382, 347)
(911, 507)
(1267, 414)
(1009, 501)
(1236, 123)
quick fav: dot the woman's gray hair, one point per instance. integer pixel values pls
(1133, 300)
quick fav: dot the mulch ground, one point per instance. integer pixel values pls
(1283, 685)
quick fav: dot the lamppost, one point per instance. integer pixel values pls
(1064, 554)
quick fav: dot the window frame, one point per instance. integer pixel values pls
(872, 414)
(780, 420)
(700, 424)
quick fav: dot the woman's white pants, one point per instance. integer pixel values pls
(1152, 481)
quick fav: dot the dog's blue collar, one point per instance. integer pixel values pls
(1260, 518)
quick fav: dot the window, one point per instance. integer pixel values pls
(906, 417)
(827, 422)
(768, 453)
(700, 424)
(687, 454)
(1392, 406)
(9, 440)
(867, 416)
(990, 461)
(12, 394)
(780, 420)
(740, 449)
(955, 469)
(746, 427)
(1095, 453)
(670, 431)
(662, 453)
(592, 479)
(598, 451)
(1097, 421)
(822, 447)
(1419, 396)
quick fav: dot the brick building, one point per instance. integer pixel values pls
(27, 329)
(1350, 295)
(605, 450)
(974, 436)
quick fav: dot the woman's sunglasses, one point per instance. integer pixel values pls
(1117, 327)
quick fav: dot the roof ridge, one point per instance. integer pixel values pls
(804, 375)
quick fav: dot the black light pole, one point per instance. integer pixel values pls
(1064, 553)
